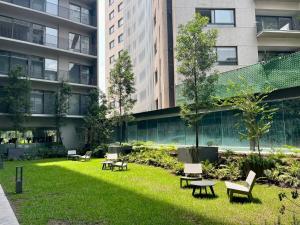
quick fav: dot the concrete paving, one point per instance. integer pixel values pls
(7, 215)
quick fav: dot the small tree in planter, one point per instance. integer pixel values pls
(16, 98)
(96, 123)
(195, 52)
(121, 91)
(257, 115)
(61, 107)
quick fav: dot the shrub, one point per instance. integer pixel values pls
(231, 171)
(208, 170)
(100, 151)
(256, 163)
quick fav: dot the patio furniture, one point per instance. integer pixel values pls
(203, 184)
(72, 155)
(242, 189)
(192, 172)
(121, 165)
(110, 158)
(87, 156)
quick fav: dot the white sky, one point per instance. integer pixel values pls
(101, 47)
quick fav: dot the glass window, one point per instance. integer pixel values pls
(25, 3)
(120, 7)
(85, 44)
(224, 16)
(111, 44)
(74, 42)
(111, 14)
(6, 25)
(85, 16)
(74, 13)
(227, 55)
(111, 2)
(111, 59)
(36, 102)
(21, 30)
(111, 29)
(270, 23)
(50, 69)
(4, 62)
(37, 67)
(285, 23)
(120, 22)
(38, 5)
(207, 13)
(74, 73)
(37, 34)
(49, 103)
(74, 104)
(19, 60)
(85, 75)
(52, 7)
(83, 104)
(51, 37)
(120, 38)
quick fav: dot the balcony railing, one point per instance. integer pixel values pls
(54, 42)
(269, 23)
(83, 16)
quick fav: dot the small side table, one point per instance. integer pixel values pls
(203, 184)
(187, 179)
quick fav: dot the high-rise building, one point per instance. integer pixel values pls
(249, 31)
(52, 41)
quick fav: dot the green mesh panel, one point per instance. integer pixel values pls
(279, 73)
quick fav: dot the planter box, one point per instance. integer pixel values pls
(119, 149)
(191, 155)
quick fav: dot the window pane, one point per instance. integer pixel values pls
(36, 102)
(85, 75)
(75, 13)
(51, 37)
(38, 5)
(85, 16)
(224, 16)
(52, 7)
(74, 104)
(38, 34)
(83, 104)
(4, 62)
(74, 73)
(226, 56)
(25, 3)
(206, 13)
(21, 30)
(6, 25)
(37, 67)
(85, 45)
(285, 23)
(270, 23)
(74, 42)
(50, 69)
(19, 60)
(49, 103)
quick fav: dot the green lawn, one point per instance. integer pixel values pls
(69, 192)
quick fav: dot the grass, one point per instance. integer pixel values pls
(69, 192)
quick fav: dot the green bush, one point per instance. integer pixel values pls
(256, 163)
(231, 171)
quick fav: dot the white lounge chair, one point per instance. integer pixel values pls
(122, 164)
(241, 189)
(87, 156)
(192, 172)
(72, 154)
(110, 158)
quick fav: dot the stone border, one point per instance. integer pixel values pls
(7, 215)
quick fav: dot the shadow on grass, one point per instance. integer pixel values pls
(239, 199)
(57, 193)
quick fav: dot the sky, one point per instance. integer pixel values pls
(101, 47)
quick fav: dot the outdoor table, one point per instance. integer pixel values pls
(203, 184)
(107, 164)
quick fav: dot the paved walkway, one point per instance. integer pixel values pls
(7, 216)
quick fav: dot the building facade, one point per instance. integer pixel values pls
(52, 41)
(249, 31)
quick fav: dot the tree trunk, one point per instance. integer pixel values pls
(197, 132)
(120, 124)
(258, 147)
(16, 136)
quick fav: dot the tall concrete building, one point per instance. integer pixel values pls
(52, 41)
(248, 31)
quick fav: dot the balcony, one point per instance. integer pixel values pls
(277, 27)
(45, 36)
(73, 13)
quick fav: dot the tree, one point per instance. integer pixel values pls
(257, 115)
(121, 90)
(61, 107)
(96, 123)
(195, 52)
(16, 98)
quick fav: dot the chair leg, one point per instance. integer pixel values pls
(103, 166)
(250, 196)
(227, 191)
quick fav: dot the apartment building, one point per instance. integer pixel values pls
(52, 41)
(248, 31)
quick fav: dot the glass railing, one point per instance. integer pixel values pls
(85, 79)
(82, 15)
(276, 24)
(52, 41)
